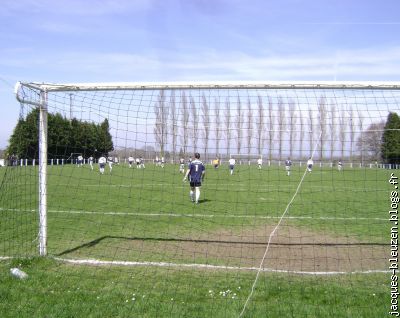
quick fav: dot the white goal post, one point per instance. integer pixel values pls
(319, 85)
(245, 159)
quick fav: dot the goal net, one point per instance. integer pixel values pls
(247, 159)
(312, 242)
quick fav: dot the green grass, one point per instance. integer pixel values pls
(59, 290)
(145, 215)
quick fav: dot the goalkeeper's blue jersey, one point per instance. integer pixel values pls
(196, 168)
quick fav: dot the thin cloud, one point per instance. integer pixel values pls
(74, 7)
(62, 28)
(169, 65)
(350, 23)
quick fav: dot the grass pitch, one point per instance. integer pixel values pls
(337, 223)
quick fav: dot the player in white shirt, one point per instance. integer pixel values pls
(310, 164)
(232, 163)
(80, 161)
(110, 163)
(339, 165)
(142, 163)
(182, 165)
(288, 165)
(130, 160)
(259, 162)
(162, 162)
(91, 162)
(102, 164)
(137, 160)
(157, 161)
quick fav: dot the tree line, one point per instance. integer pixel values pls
(390, 146)
(64, 137)
(274, 128)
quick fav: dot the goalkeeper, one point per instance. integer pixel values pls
(195, 173)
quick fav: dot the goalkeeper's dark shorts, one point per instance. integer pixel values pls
(195, 184)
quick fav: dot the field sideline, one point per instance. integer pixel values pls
(337, 223)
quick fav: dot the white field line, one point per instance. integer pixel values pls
(272, 234)
(237, 185)
(199, 215)
(96, 262)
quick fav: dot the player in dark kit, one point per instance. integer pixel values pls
(195, 173)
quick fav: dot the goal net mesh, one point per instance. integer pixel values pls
(291, 237)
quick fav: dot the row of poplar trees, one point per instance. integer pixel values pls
(64, 137)
(74, 136)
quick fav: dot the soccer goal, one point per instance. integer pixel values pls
(73, 157)
(258, 240)
(248, 159)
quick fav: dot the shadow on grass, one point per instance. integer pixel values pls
(163, 239)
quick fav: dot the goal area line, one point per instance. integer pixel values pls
(98, 262)
(199, 215)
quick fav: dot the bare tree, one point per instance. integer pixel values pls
(292, 126)
(217, 125)
(260, 125)
(352, 126)
(174, 123)
(311, 129)
(206, 123)
(360, 128)
(302, 133)
(322, 126)
(342, 131)
(228, 124)
(332, 129)
(370, 141)
(271, 127)
(195, 123)
(161, 125)
(185, 122)
(281, 125)
(249, 128)
(239, 126)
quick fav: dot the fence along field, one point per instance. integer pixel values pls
(136, 229)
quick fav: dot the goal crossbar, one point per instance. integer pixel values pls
(56, 87)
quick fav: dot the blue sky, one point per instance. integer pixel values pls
(175, 40)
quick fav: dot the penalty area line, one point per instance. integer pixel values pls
(96, 262)
(199, 215)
